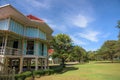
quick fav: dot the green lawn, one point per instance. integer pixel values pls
(89, 71)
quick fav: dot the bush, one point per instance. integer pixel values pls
(39, 73)
(49, 71)
(23, 75)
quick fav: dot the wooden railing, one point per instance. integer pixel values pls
(10, 51)
(6, 73)
(14, 51)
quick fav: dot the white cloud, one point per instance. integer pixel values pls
(77, 40)
(90, 35)
(81, 21)
(38, 4)
(59, 27)
(33, 5)
(106, 35)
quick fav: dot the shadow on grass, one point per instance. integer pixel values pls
(66, 69)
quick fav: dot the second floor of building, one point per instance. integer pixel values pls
(13, 21)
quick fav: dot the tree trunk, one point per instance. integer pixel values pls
(79, 60)
(112, 59)
(63, 62)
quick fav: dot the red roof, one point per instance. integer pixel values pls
(34, 18)
(50, 51)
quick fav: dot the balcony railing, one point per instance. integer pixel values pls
(10, 51)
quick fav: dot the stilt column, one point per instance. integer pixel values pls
(36, 63)
(45, 63)
(21, 65)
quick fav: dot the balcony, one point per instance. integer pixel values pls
(10, 51)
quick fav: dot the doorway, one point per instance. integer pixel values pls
(30, 48)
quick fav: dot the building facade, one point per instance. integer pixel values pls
(23, 40)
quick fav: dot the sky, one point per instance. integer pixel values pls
(89, 23)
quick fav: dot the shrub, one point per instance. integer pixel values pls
(39, 72)
(49, 71)
(23, 75)
(26, 74)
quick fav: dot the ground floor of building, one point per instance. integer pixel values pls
(25, 63)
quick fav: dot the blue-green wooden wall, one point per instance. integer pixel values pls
(4, 24)
(16, 27)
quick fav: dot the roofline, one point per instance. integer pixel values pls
(9, 5)
(4, 5)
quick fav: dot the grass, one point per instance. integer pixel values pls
(89, 71)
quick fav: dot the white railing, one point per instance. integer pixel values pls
(10, 51)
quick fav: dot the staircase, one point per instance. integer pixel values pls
(6, 73)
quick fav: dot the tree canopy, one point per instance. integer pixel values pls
(109, 50)
(62, 44)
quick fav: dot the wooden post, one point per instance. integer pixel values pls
(13, 77)
(45, 63)
(21, 65)
(6, 37)
(36, 63)
(41, 63)
(2, 48)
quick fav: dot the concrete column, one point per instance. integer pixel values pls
(21, 65)
(36, 63)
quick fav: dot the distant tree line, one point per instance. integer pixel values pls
(110, 50)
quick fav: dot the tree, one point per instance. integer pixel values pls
(62, 45)
(79, 53)
(91, 55)
(108, 49)
(117, 49)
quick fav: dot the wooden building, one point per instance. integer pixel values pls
(23, 40)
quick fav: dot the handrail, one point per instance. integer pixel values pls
(14, 51)
(10, 51)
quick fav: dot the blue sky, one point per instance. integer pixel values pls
(88, 22)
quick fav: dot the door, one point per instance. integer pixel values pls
(30, 47)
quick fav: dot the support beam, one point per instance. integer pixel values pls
(10, 63)
(5, 44)
(2, 48)
(6, 61)
(41, 63)
(45, 63)
(21, 65)
(36, 63)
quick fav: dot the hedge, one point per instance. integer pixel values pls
(23, 75)
(26, 74)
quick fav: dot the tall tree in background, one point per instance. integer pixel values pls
(117, 49)
(79, 53)
(62, 45)
(108, 49)
(91, 55)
